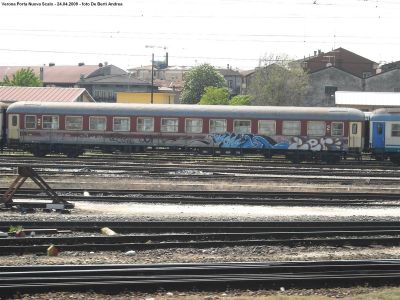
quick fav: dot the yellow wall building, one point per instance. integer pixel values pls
(158, 98)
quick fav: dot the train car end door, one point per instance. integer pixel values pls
(378, 135)
(355, 135)
(13, 127)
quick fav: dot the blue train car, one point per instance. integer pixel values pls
(385, 134)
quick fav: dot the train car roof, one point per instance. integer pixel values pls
(3, 105)
(386, 114)
(183, 110)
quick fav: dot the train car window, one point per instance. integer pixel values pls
(217, 126)
(242, 126)
(73, 123)
(194, 125)
(50, 122)
(316, 128)
(337, 129)
(169, 125)
(380, 128)
(30, 122)
(291, 128)
(395, 129)
(145, 124)
(267, 127)
(14, 121)
(97, 123)
(354, 128)
(121, 124)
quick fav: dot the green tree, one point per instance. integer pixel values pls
(240, 100)
(279, 81)
(23, 77)
(197, 79)
(215, 96)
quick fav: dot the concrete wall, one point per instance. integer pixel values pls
(384, 82)
(333, 77)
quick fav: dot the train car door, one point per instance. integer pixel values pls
(355, 135)
(13, 126)
(378, 135)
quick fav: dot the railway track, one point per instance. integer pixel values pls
(204, 277)
(170, 155)
(217, 197)
(188, 167)
(167, 235)
(187, 158)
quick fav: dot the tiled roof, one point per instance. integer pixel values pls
(114, 79)
(54, 74)
(228, 72)
(41, 94)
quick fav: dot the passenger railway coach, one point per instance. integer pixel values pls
(385, 134)
(300, 133)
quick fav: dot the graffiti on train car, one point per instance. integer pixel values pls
(251, 141)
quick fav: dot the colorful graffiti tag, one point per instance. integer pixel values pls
(248, 141)
(251, 141)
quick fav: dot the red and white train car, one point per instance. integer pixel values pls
(298, 132)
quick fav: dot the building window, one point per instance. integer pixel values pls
(316, 128)
(217, 126)
(291, 128)
(50, 122)
(242, 126)
(337, 129)
(366, 74)
(121, 124)
(73, 123)
(330, 90)
(169, 125)
(396, 90)
(396, 130)
(230, 84)
(104, 95)
(97, 123)
(267, 127)
(145, 124)
(194, 125)
(30, 122)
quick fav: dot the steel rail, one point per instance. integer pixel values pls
(221, 197)
(200, 276)
(207, 226)
(150, 245)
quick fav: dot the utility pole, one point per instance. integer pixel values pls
(152, 66)
(152, 76)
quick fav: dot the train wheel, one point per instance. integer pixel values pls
(74, 153)
(331, 159)
(238, 152)
(267, 154)
(217, 152)
(205, 151)
(39, 152)
(395, 160)
(293, 158)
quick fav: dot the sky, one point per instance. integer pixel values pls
(219, 32)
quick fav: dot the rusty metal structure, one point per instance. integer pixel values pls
(25, 172)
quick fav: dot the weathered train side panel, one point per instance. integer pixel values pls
(116, 126)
